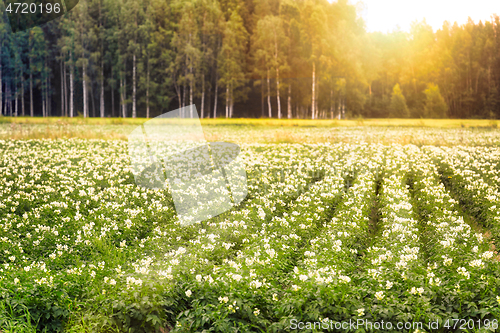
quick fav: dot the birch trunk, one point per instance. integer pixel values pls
(22, 95)
(134, 87)
(43, 103)
(71, 91)
(147, 91)
(262, 111)
(122, 97)
(124, 106)
(102, 64)
(8, 99)
(215, 95)
(203, 95)
(318, 114)
(15, 113)
(227, 100)
(191, 95)
(49, 98)
(31, 89)
(62, 87)
(102, 92)
(278, 92)
(277, 74)
(178, 90)
(84, 84)
(269, 110)
(289, 101)
(65, 91)
(313, 104)
(183, 97)
(231, 102)
(92, 99)
(112, 93)
(120, 109)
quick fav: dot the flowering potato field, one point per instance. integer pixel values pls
(329, 232)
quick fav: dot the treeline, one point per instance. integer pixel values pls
(245, 58)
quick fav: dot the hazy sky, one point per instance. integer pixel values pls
(385, 15)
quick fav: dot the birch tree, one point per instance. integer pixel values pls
(232, 59)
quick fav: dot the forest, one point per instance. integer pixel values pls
(308, 59)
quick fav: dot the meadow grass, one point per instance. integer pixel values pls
(240, 130)
(381, 122)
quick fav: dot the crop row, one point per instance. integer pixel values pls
(328, 232)
(473, 185)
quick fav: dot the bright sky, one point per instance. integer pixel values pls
(386, 15)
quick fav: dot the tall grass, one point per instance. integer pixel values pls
(383, 122)
(12, 323)
(384, 131)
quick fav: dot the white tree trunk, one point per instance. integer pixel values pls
(227, 100)
(71, 92)
(134, 87)
(203, 96)
(120, 107)
(15, 112)
(191, 97)
(231, 102)
(178, 91)
(215, 96)
(313, 110)
(122, 97)
(289, 101)
(62, 87)
(8, 101)
(22, 95)
(278, 92)
(66, 108)
(31, 82)
(183, 97)
(147, 92)
(47, 80)
(101, 104)
(262, 111)
(318, 112)
(270, 113)
(8, 106)
(44, 111)
(84, 84)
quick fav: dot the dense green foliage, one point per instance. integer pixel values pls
(327, 233)
(235, 58)
(435, 106)
(398, 108)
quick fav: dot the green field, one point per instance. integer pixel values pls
(383, 122)
(340, 223)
